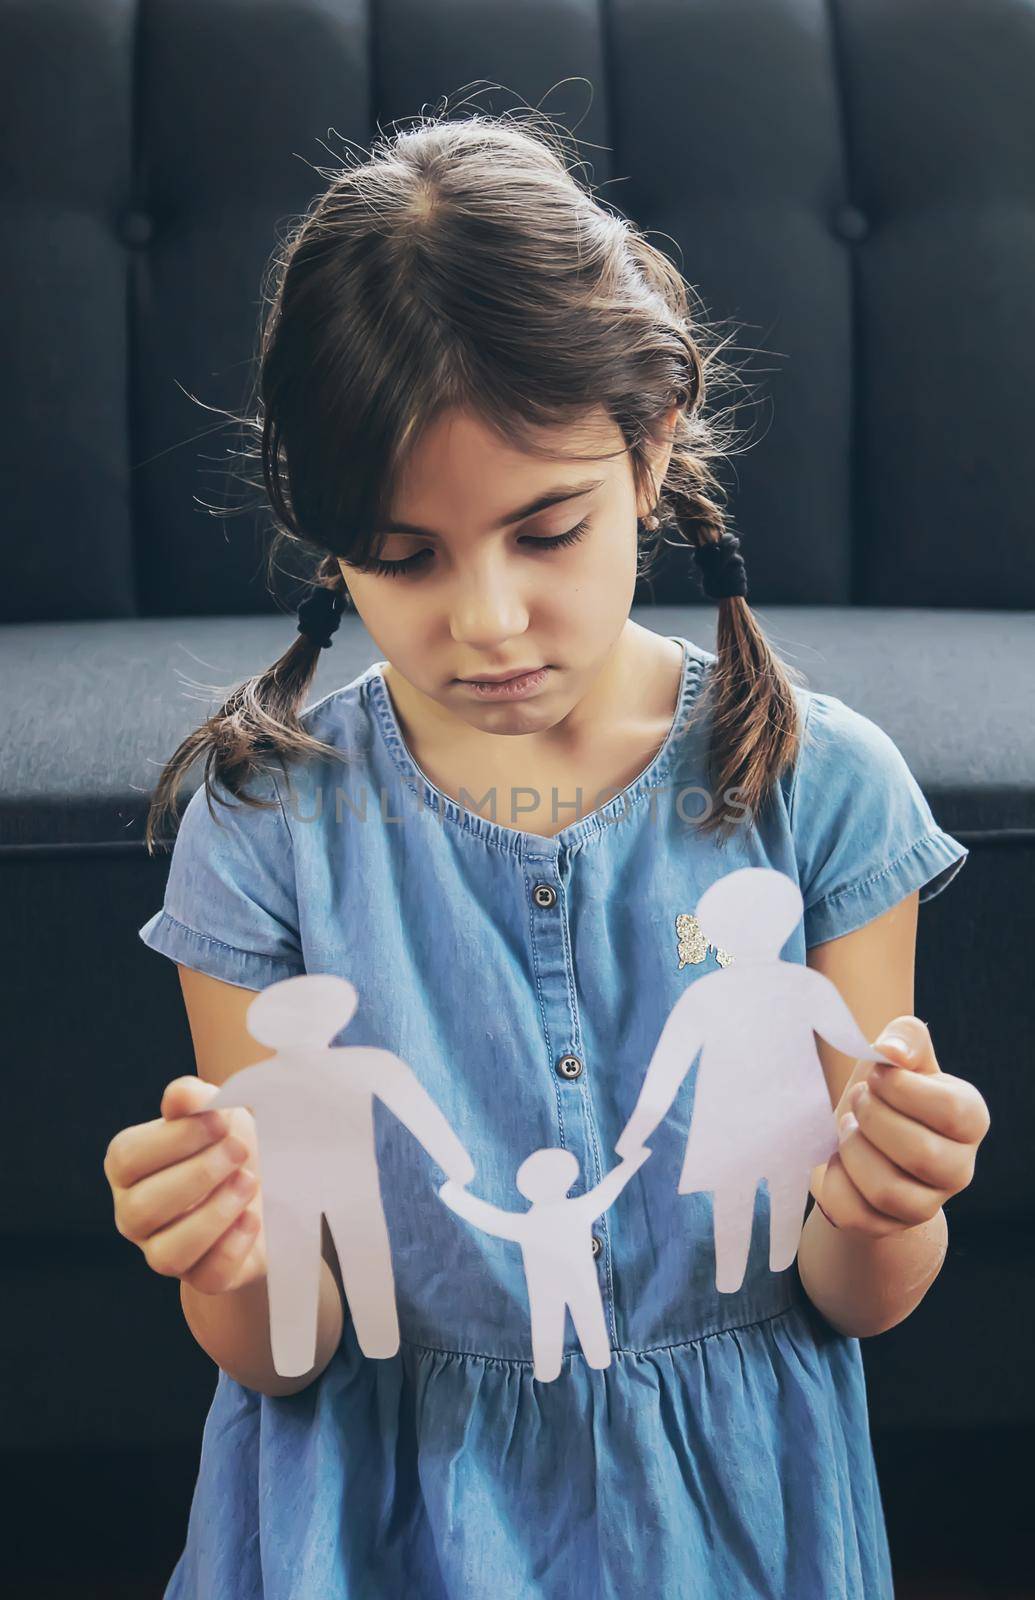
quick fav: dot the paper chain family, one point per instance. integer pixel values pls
(761, 1111)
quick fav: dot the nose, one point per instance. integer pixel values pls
(487, 608)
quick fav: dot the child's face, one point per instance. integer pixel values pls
(480, 598)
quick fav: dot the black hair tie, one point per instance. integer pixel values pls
(720, 568)
(320, 614)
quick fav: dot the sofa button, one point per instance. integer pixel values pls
(851, 224)
(137, 228)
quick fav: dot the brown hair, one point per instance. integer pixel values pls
(465, 265)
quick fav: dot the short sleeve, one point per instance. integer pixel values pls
(864, 834)
(230, 904)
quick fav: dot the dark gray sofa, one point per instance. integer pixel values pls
(852, 184)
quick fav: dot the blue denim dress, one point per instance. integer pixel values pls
(724, 1454)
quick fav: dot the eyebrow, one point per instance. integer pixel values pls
(552, 497)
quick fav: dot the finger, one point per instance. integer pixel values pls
(908, 1041)
(949, 1105)
(175, 1250)
(885, 1186)
(136, 1152)
(927, 1156)
(845, 1207)
(218, 1267)
(157, 1200)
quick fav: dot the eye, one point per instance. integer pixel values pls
(391, 569)
(572, 536)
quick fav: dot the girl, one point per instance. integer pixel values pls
(482, 398)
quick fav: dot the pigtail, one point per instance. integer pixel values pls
(258, 722)
(755, 722)
(749, 694)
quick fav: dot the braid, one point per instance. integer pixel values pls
(750, 695)
(260, 717)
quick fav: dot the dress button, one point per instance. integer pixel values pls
(569, 1067)
(597, 1247)
(545, 895)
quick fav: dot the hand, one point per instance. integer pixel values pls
(175, 1186)
(630, 1144)
(908, 1138)
(464, 1173)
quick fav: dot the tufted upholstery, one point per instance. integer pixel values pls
(851, 183)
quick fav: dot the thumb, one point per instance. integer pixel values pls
(186, 1096)
(907, 1043)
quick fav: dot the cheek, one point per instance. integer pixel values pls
(606, 573)
(389, 616)
(377, 596)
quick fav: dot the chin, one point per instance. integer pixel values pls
(518, 716)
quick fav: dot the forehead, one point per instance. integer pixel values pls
(459, 461)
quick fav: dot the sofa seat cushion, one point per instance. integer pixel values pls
(91, 710)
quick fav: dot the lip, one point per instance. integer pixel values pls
(503, 677)
(518, 687)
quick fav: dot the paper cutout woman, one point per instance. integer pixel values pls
(555, 1235)
(761, 1104)
(314, 1114)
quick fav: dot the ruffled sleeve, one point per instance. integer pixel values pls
(864, 834)
(230, 906)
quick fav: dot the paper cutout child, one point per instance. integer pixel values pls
(314, 1114)
(761, 1104)
(555, 1235)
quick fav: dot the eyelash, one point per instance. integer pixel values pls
(391, 569)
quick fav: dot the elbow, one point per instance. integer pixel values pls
(857, 1316)
(853, 1322)
(280, 1388)
(275, 1386)
(869, 1327)
(269, 1382)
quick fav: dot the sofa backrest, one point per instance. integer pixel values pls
(848, 185)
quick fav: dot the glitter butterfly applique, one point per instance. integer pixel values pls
(693, 946)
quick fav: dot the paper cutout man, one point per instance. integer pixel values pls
(314, 1114)
(761, 1104)
(555, 1235)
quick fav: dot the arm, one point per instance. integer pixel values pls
(490, 1218)
(864, 1283)
(234, 1328)
(832, 1018)
(406, 1097)
(611, 1185)
(672, 1059)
